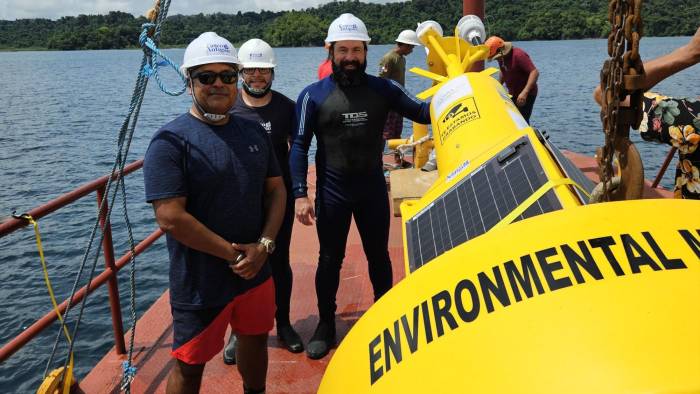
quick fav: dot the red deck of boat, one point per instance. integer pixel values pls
(287, 372)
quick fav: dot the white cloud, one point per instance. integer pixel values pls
(53, 9)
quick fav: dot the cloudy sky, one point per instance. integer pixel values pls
(52, 9)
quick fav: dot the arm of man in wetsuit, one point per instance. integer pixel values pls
(405, 104)
(660, 68)
(255, 253)
(299, 157)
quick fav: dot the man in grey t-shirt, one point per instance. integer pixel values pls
(393, 66)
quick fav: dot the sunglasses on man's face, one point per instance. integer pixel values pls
(209, 77)
(251, 71)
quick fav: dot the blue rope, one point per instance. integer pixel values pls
(152, 52)
(149, 65)
(129, 371)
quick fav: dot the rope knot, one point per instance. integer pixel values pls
(129, 373)
(145, 29)
(151, 63)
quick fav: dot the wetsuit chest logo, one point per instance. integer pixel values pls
(355, 119)
(253, 148)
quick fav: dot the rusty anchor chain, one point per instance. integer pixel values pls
(622, 75)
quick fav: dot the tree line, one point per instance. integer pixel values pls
(510, 19)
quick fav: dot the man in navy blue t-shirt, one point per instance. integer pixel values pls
(217, 192)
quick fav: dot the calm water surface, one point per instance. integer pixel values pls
(60, 113)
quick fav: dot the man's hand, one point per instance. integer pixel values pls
(254, 258)
(304, 211)
(522, 98)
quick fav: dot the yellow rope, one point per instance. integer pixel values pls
(536, 196)
(68, 380)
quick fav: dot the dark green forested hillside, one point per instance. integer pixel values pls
(512, 19)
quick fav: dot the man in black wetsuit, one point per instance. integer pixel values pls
(346, 113)
(275, 112)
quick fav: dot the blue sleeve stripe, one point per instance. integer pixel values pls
(398, 85)
(302, 117)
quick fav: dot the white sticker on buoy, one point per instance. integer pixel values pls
(453, 90)
(518, 119)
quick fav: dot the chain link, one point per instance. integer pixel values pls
(622, 75)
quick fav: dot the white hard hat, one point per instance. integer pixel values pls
(408, 37)
(256, 53)
(208, 48)
(347, 27)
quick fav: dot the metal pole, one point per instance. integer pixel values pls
(61, 201)
(112, 283)
(663, 168)
(474, 7)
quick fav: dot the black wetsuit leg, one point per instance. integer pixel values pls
(281, 269)
(333, 214)
(372, 220)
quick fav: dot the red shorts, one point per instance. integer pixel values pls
(198, 335)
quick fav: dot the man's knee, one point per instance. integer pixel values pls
(188, 371)
(329, 259)
(252, 341)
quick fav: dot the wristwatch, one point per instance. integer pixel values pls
(268, 243)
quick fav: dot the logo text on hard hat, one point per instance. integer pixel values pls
(352, 27)
(219, 49)
(255, 55)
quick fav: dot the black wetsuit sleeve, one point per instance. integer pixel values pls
(299, 153)
(406, 105)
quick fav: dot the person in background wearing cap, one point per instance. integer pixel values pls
(218, 194)
(346, 113)
(325, 69)
(257, 101)
(393, 66)
(517, 72)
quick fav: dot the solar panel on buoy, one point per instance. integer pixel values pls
(478, 202)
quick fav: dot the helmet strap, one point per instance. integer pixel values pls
(258, 93)
(206, 115)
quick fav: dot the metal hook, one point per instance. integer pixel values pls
(24, 216)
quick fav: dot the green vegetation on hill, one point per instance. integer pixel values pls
(511, 19)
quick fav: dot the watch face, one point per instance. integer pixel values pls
(268, 244)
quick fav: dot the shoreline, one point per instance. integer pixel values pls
(237, 44)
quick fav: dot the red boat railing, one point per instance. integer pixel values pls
(109, 275)
(663, 168)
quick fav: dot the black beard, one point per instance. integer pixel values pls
(349, 77)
